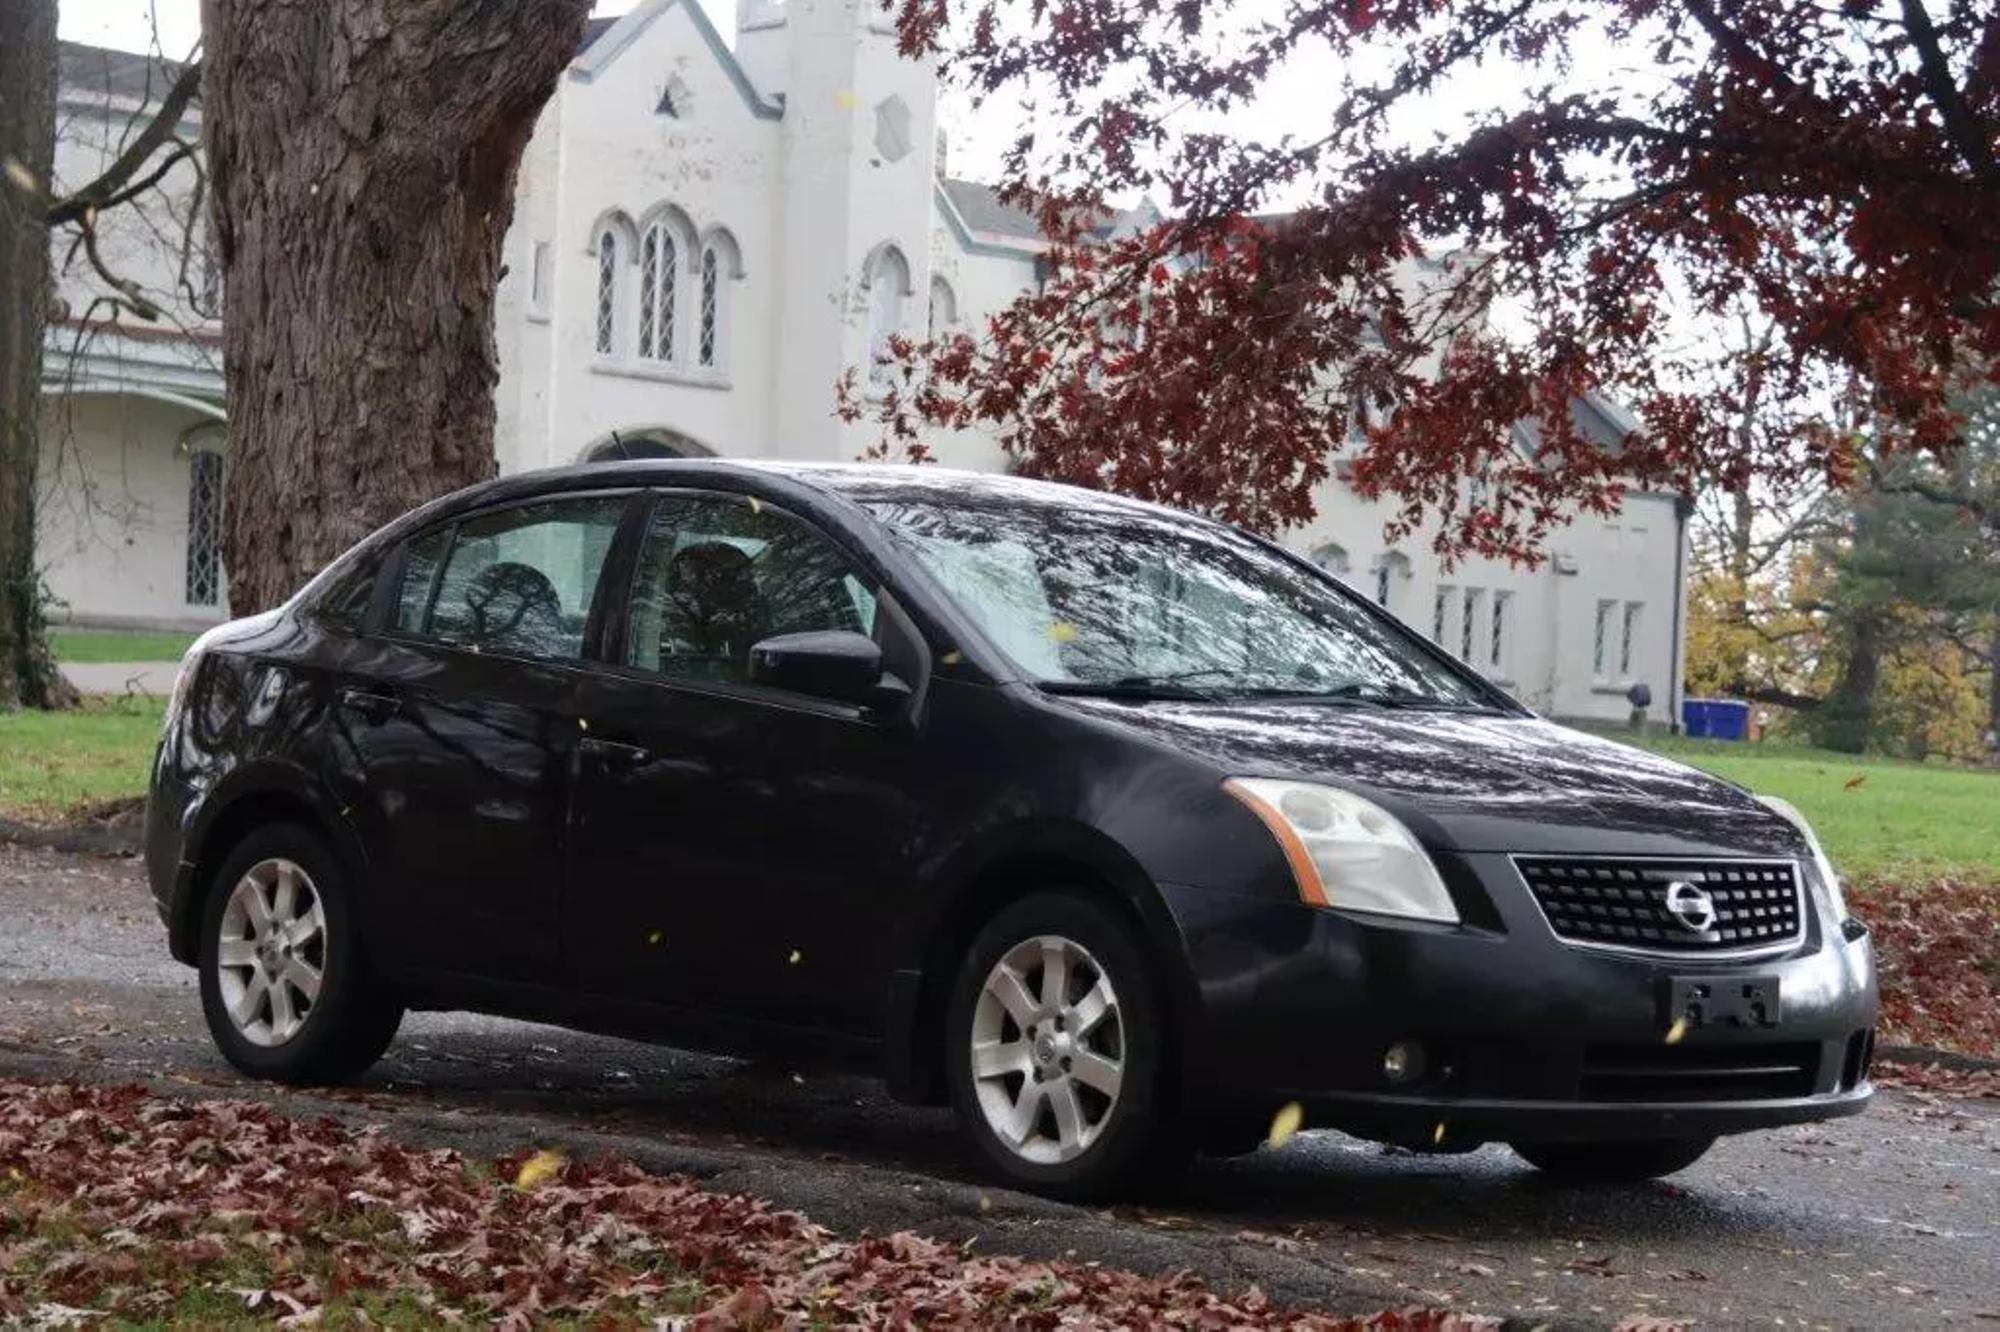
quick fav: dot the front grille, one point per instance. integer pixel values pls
(1692, 1073)
(1624, 903)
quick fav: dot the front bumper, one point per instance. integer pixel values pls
(1523, 1036)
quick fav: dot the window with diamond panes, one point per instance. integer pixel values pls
(607, 293)
(711, 311)
(659, 278)
(204, 537)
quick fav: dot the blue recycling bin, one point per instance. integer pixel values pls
(1715, 718)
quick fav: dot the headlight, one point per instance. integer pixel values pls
(1346, 852)
(177, 697)
(1789, 812)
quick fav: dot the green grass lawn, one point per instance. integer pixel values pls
(53, 764)
(1899, 819)
(85, 646)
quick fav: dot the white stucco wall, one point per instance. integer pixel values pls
(113, 510)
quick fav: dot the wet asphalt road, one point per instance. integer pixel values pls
(1889, 1220)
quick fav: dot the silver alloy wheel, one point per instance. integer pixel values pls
(271, 956)
(1048, 1049)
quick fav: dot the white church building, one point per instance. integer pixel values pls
(708, 233)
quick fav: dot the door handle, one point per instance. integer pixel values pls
(616, 752)
(374, 705)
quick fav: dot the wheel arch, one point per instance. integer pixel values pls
(252, 798)
(1002, 867)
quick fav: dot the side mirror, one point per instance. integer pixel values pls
(836, 664)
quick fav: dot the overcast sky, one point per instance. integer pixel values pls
(977, 141)
(1293, 101)
(127, 25)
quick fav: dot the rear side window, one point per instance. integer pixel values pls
(522, 581)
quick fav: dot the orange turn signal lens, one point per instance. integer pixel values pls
(1312, 890)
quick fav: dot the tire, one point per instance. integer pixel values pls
(1081, 1141)
(1615, 1162)
(288, 1034)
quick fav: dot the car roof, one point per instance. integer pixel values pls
(859, 481)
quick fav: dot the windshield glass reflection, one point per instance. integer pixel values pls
(1109, 598)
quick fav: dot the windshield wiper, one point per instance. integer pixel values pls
(1169, 687)
(1393, 696)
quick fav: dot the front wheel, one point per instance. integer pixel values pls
(284, 985)
(1616, 1162)
(1057, 1045)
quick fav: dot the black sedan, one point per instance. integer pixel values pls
(1117, 828)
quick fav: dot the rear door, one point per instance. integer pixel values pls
(456, 727)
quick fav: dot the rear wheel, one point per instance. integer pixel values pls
(1624, 1161)
(285, 987)
(1057, 1042)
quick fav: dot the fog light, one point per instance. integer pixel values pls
(1403, 1061)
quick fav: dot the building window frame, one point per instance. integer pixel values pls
(709, 340)
(1468, 624)
(541, 279)
(207, 482)
(660, 262)
(1601, 644)
(1500, 636)
(1331, 557)
(607, 292)
(888, 280)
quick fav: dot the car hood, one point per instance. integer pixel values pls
(1474, 781)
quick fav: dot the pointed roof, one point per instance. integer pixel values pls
(602, 45)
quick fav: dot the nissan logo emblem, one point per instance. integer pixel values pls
(1692, 907)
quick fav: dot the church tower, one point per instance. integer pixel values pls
(854, 203)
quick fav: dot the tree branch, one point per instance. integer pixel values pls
(166, 120)
(1959, 122)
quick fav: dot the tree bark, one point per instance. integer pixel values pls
(28, 676)
(1843, 722)
(1991, 749)
(362, 157)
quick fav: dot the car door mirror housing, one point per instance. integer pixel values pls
(836, 664)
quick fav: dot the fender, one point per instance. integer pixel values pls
(266, 781)
(962, 890)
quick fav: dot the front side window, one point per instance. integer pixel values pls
(1114, 596)
(719, 574)
(520, 581)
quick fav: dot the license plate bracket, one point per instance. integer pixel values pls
(1720, 1001)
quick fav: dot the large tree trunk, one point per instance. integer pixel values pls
(362, 155)
(1843, 723)
(1992, 754)
(27, 143)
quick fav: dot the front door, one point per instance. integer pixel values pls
(734, 846)
(454, 731)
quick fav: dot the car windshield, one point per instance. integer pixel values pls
(1115, 598)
